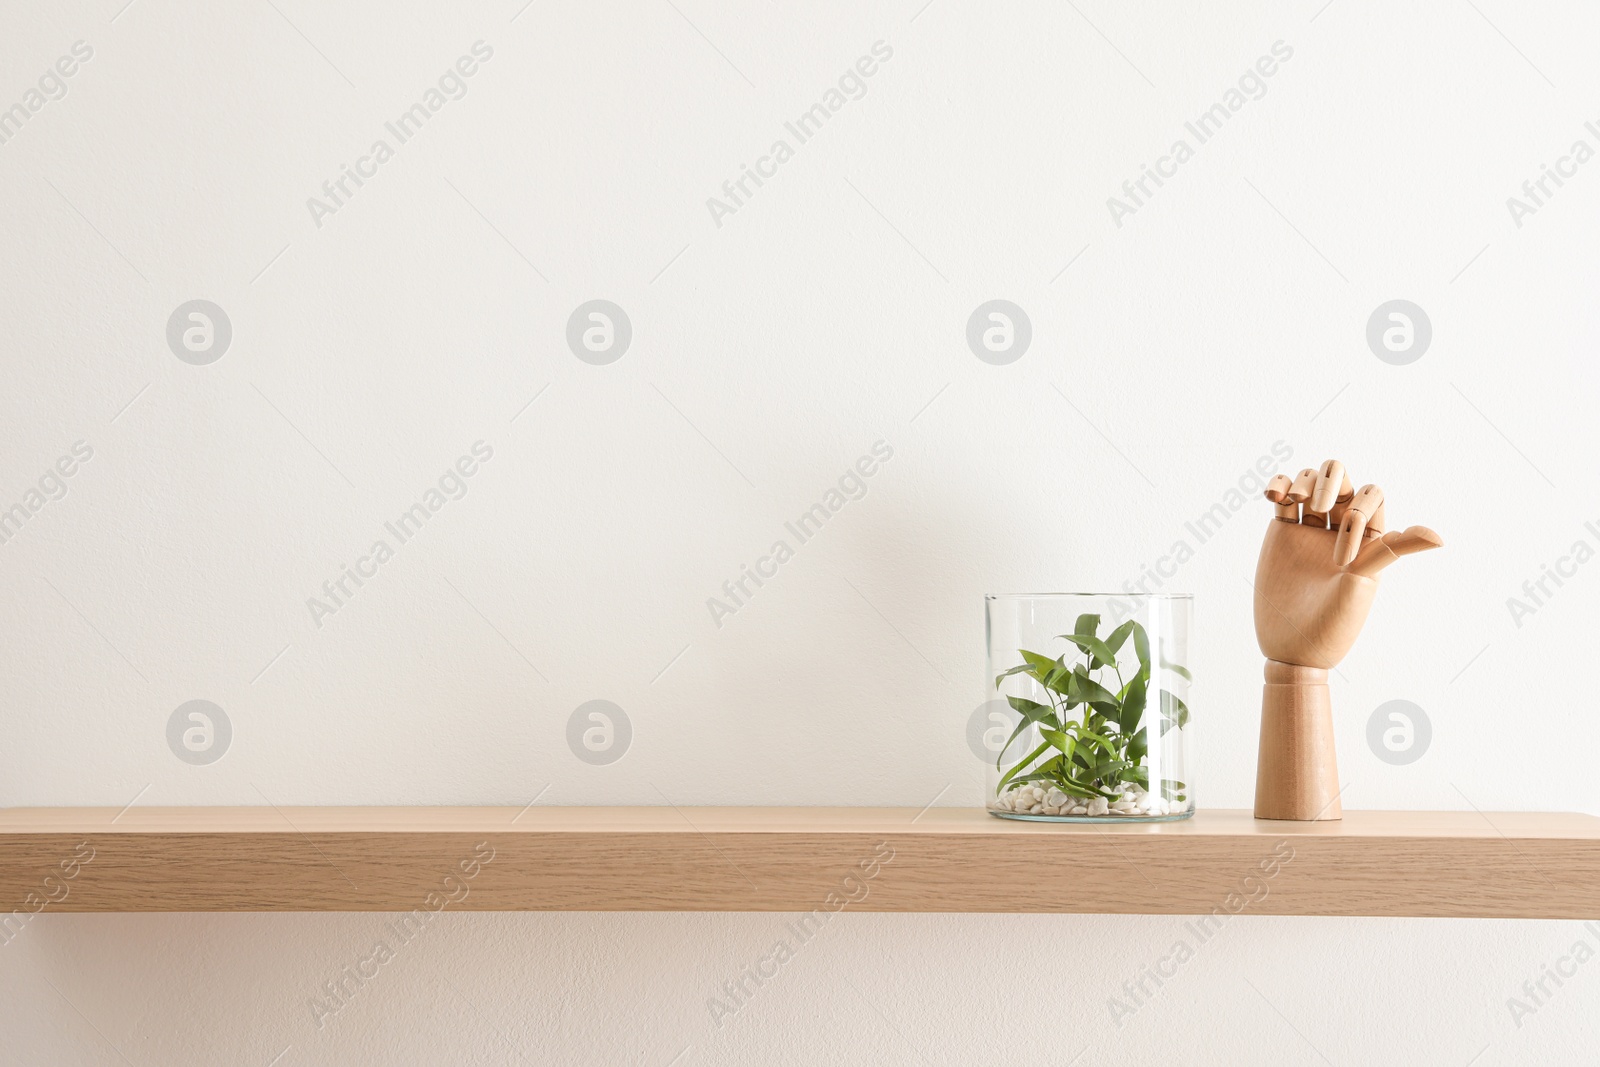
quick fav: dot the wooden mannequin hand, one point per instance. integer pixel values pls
(1314, 587)
(1319, 565)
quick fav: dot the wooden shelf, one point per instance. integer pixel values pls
(1513, 865)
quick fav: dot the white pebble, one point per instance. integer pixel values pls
(1132, 801)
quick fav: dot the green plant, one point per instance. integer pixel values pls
(1103, 748)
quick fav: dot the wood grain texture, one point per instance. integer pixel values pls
(1525, 865)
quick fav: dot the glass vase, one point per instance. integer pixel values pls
(1088, 707)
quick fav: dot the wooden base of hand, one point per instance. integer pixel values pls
(1297, 773)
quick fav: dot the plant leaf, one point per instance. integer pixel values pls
(1094, 647)
(1098, 739)
(1088, 625)
(1060, 740)
(1021, 668)
(1078, 789)
(1067, 687)
(1057, 680)
(1133, 702)
(1090, 691)
(1021, 766)
(1173, 707)
(1141, 647)
(1118, 636)
(1048, 672)
(1032, 712)
(1138, 748)
(1182, 672)
(1042, 665)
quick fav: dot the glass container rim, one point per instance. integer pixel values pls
(1118, 596)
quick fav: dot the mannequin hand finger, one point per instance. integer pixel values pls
(1304, 482)
(1277, 492)
(1332, 486)
(1376, 525)
(1353, 526)
(1382, 551)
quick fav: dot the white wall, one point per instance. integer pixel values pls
(769, 351)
